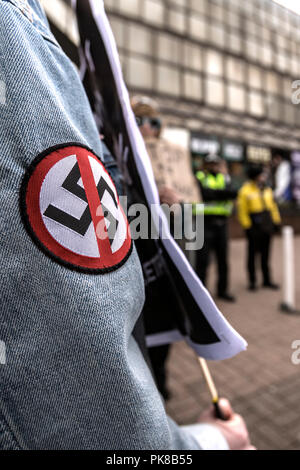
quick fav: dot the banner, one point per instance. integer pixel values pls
(171, 165)
(171, 284)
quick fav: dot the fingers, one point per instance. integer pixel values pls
(225, 408)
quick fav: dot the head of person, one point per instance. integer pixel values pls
(257, 174)
(278, 157)
(146, 112)
(212, 163)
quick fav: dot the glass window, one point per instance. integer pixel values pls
(197, 27)
(192, 86)
(289, 113)
(272, 82)
(234, 42)
(254, 77)
(252, 49)
(233, 19)
(248, 7)
(168, 48)
(217, 35)
(216, 12)
(251, 27)
(179, 2)
(139, 73)
(168, 80)
(153, 12)
(266, 34)
(294, 47)
(177, 20)
(214, 92)
(123, 61)
(282, 62)
(287, 89)
(266, 55)
(118, 30)
(256, 106)
(109, 3)
(273, 107)
(199, 5)
(192, 56)
(236, 98)
(263, 14)
(298, 72)
(294, 67)
(235, 4)
(214, 63)
(235, 70)
(281, 41)
(140, 39)
(130, 7)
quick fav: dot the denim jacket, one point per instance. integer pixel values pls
(74, 377)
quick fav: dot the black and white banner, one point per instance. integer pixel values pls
(171, 284)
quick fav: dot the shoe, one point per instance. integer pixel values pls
(252, 287)
(271, 285)
(227, 297)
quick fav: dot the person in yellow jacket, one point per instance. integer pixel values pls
(259, 216)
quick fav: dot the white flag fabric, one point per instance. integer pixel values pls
(202, 325)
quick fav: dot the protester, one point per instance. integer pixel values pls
(259, 216)
(75, 377)
(282, 176)
(150, 125)
(217, 196)
(160, 151)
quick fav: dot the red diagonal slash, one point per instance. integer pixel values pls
(94, 205)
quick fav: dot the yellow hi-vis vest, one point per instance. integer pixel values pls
(223, 208)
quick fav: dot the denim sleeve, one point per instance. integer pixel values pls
(73, 375)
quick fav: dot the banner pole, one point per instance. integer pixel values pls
(212, 388)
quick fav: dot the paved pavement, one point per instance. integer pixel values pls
(262, 384)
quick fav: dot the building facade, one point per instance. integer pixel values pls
(222, 69)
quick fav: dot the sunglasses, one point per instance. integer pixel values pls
(155, 123)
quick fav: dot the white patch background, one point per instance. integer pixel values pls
(53, 193)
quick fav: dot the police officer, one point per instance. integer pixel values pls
(259, 216)
(217, 197)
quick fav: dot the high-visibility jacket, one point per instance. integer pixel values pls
(215, 182)
(252, 200)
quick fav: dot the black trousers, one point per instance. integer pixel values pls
(158, 357)
(259, 244)
(215, 241)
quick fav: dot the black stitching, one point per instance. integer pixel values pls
(29, 229)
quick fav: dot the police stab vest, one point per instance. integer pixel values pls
(221, 208)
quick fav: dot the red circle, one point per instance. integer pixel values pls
(37, 174)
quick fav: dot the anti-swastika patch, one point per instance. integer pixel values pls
(71, 209)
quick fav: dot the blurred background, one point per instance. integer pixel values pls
(222, 72)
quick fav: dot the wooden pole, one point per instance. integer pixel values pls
(212, 388)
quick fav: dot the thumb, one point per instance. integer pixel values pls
(225, 408)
